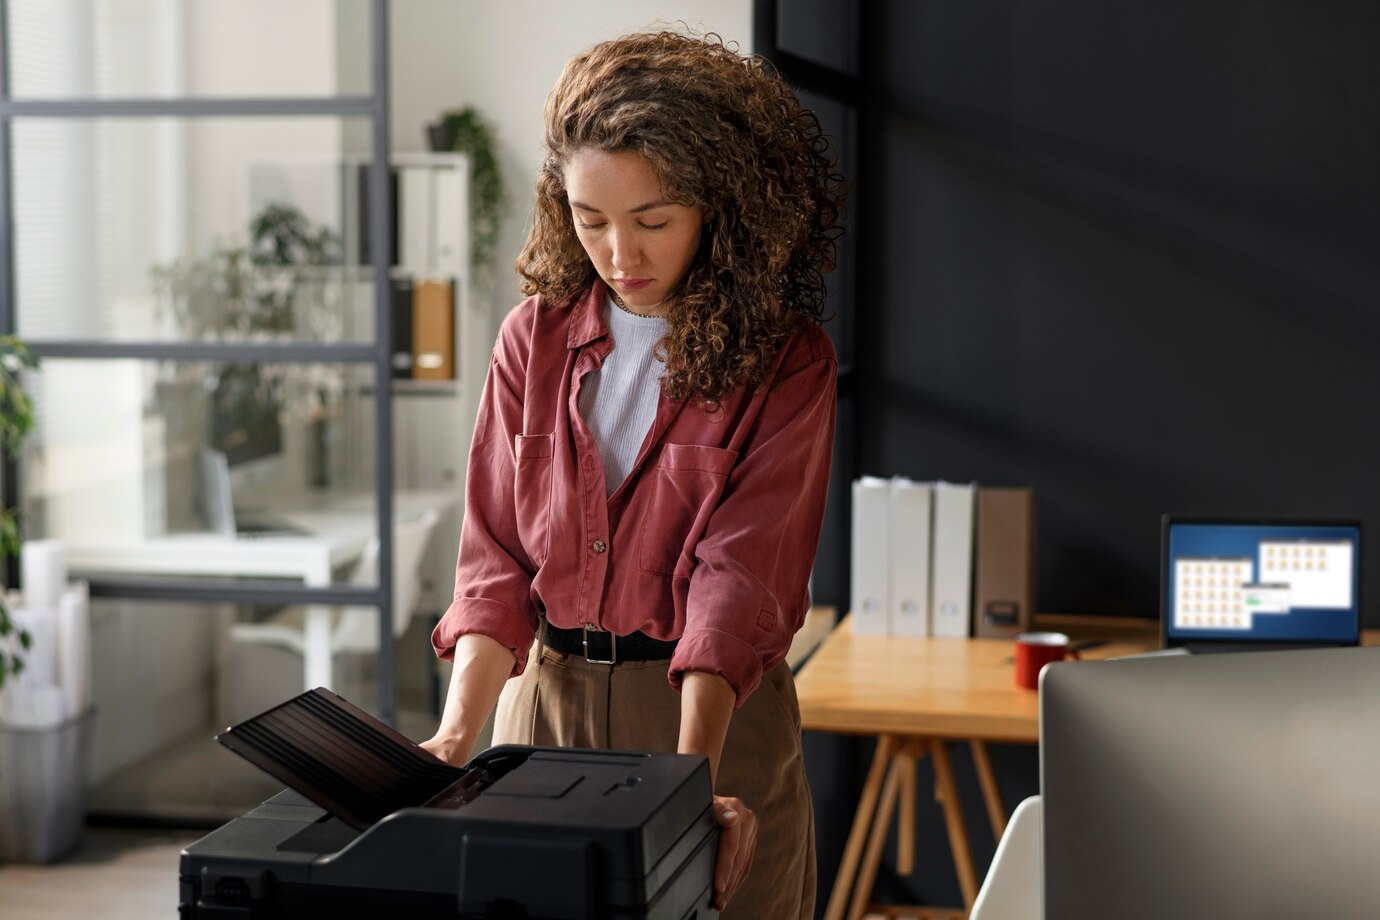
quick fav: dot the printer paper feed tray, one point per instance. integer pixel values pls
(340, 757)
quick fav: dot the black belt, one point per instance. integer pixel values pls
(600, 647)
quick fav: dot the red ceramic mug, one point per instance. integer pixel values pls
(1034, 650)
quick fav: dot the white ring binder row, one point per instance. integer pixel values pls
(941, 559)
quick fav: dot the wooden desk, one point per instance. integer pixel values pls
(916, 696)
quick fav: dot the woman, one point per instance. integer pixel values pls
(648, 471)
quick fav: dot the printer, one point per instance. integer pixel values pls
(520, 831)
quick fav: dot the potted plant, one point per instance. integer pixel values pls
(16, 420)
(465, 131)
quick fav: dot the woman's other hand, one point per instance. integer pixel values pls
(452, 750)
(737, 843)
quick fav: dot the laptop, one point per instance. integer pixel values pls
(1230, 787)
(1230, 584)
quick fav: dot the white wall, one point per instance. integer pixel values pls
(503, 58)
(253, 48)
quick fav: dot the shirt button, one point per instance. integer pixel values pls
(598, 546)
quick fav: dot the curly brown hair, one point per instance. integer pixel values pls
(720, 130)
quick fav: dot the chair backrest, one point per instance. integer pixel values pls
(357, 627)
(1012, 889)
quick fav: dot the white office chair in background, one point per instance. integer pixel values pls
(311, 633)
(1013, 887)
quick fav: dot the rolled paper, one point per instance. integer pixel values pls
(74, 649)
(43, 570)
(40, 659)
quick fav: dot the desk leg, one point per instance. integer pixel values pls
(867, 873)
(316, 664)
(316, 633)
(996, 811)
(867, 807)
(905, 825)
(947, 793)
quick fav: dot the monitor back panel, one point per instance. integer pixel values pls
(1222, 786)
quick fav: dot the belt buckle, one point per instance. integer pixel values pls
(613, 645)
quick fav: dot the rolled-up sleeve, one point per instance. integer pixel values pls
(493, 574)
(748, 593)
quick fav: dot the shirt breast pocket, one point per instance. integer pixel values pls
(685, 488)
(532, 493)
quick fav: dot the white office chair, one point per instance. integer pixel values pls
(309, 631)
(1014, 887)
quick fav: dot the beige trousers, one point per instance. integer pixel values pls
(565, 701)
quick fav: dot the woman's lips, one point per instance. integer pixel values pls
(632, 284)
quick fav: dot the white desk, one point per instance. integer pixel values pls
(339, 528)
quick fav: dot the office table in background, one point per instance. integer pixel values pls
(917, 695)
(336, 528)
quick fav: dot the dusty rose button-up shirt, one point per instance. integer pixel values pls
(710, 539)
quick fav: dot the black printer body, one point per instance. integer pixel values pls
(526, 832)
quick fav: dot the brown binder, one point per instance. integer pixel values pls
(1004, 562)
(433, 329)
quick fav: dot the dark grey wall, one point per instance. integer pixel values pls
(1127, 254)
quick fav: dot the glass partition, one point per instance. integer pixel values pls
(165, 48)
(233, 229)
(200, 668)
(197, 468)
(207, 215)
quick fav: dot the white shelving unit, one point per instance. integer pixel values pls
(432, 419)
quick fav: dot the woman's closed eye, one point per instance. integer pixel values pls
(599, 226)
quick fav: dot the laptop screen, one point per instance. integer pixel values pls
(1260, 581)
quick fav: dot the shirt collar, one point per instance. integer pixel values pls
(587, 321)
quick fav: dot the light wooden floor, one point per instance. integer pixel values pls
(131, 874)
(117, 873)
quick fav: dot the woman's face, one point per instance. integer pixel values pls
(640, 243)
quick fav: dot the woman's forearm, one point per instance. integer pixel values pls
(482, 665)
(706, 707)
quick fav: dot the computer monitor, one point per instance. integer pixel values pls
(1222, 786)
(245, 408)
(1260, 582)
(245, 449)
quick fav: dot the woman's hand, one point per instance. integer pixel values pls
(481, 665)
(706, 706)
(452, 750)
(737, 843)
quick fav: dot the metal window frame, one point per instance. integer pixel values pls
(374, 107)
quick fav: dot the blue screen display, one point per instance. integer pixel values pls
(1270, 582)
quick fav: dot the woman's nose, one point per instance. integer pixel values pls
(624, 253)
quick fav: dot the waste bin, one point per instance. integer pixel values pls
(43, 774)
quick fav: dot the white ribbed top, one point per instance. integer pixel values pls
(618, 400)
